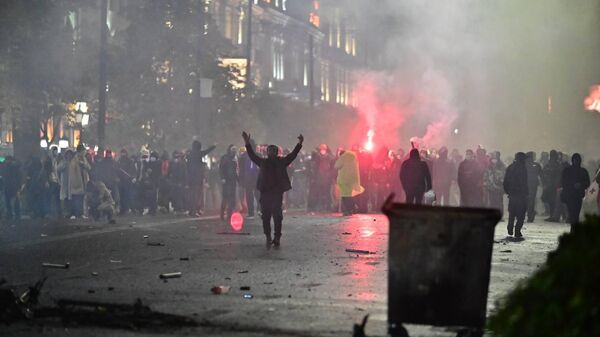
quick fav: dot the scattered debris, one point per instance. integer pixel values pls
(170, 275)
(91, 291)
(248, 296)
(504, 260)
(245, 288)
(267, 282)
(155, 244)
(43, 235)
(56, 265)
(111, 288)
(184, 258)
(359, 330)
(220, 290)
(243, 272)
(228, 278)
(146, 236)
(359, 251)
(94, 273)
(115, 261)
(506, 251)
(233, 233)
(346, 233)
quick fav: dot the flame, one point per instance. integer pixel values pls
(369, 145)
(592, 102)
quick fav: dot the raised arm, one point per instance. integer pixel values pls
(250, 150)
(292, 156)
(207, 151)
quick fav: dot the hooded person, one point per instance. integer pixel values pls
(551, 174)
(574, 181)
(247, 178)
(273, 181)
(415, 178)
(470, 181)
(196, 177)
(444, 171)
(348, 180)
(493, 180)
(228, 171)
(515, 185)
(534, 174)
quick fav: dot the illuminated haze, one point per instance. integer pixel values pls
(509, 75)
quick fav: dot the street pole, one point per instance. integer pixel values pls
(198, 106)
(249, 45)
(311, 70)
(102, 75)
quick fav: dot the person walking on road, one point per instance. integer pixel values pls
(273, 182)
(515, 185)
(575, 180)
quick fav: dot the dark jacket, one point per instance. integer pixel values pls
(415, 175)
(248, 171)
(178, 173)
(228, 168)
(273, 175)
(127, 170)
(196, 167)
(575, 180)
(12, 177)
(515, 180)
(107, 172)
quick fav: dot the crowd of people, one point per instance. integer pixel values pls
(80, 183)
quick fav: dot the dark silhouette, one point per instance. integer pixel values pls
(574, 181)
(415, 178)
(515, 185)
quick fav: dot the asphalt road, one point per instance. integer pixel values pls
(309, 287)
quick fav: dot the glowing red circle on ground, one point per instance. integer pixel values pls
(237, 221)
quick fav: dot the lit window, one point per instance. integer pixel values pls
(240, 37)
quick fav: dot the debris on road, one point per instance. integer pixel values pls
(43, 235)
(184, 258)
(111, 288)
(359, 251)
(94, 273)
(56, 265)
(170, 275)
(245, 288)
(91, 291)
(346, 233)
(115, 261)
(248, 296)
(506, 251)
(155, 244)
(243, 272)
(220, 290)
(146, 236)
(359, 330)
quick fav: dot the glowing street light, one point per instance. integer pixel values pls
(43, 143)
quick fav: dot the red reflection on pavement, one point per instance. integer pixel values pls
(365, 268)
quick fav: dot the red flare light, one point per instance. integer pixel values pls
(237, 221)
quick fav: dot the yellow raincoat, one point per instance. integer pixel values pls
(348, 179)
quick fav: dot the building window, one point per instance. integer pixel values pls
(305, 75)
(325, 82)
(278, 61)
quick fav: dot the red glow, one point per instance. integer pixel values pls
(395, 106)
(237, 221)
(592, 102)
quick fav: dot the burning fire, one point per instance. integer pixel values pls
(592, 102)
(369, 145)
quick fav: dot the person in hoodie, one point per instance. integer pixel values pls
(574, 181)
(415, 178)
(273, 182)
(107, 171)
(515, 185)
(443, 173)
(196, 177)
(534, 175)
(228, 170)
(470, 181)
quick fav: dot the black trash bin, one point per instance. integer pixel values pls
(439, 266)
